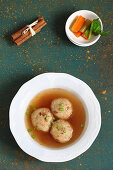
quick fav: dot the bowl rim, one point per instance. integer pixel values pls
(70, 156)
(83, 44)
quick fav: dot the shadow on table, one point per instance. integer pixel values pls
(7, 93)
(59, 22)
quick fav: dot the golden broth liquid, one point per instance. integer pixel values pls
(44, 99)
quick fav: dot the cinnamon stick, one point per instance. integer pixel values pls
(19, 38)
(19, 33)
(23, 38)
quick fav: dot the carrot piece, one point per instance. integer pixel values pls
(78, 24)
(77, 34)
(83, 35)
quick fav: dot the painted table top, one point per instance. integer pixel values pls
(51, 51)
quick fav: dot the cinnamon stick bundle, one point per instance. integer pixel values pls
(20, 36)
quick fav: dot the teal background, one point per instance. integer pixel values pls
(51, 51)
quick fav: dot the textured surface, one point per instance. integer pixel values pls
(51, 51)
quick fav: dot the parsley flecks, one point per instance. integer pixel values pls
(64, 131)
(27, 113)
(33, 136)
(53, 118)
(47, 118)
(61, 109)
(29, 130)
(59, 127)
(82, 125)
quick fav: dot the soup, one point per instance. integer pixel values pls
(43, 100)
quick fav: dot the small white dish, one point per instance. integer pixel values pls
(80, 41)
(25, 95)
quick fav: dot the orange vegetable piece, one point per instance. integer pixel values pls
(77, 34)
(83, 35)
(78, 24)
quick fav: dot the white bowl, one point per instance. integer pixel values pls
(80, 41)
(26, 94)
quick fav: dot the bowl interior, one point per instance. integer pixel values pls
(80, 40)
(26, 94)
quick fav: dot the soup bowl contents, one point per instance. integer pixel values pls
(46, 114)
(47, 135)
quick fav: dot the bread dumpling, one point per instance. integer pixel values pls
(41, 119)
(61, 131)
(61, 108)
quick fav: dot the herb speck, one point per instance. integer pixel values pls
(33, 136)
(47, 118)
(64, 131)
(61, 109)
(29, 130)
(59, 127)
(82, 125)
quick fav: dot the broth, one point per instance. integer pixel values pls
(44, 99)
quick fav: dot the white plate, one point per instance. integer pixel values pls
(26, 94)
(80, 41)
